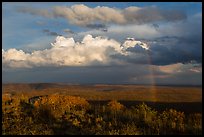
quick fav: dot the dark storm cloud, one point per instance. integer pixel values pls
(172, 37)
(69, 75)
(131, 74)
(84, 75)
(183, 44)
(164, 51)
(137, 49)
(137, 58)
(174, 50)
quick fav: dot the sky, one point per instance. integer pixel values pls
(150, 43)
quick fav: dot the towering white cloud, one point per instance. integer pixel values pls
(67, 52)
(131, 42)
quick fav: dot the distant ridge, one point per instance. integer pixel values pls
(39, 86)
(32, 86)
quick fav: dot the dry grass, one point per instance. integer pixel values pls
(111, 92)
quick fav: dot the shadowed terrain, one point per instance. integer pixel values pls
(187, 99)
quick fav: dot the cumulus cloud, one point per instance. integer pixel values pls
(83, 15)
(67, 52)
(103, 51)
(33, 11)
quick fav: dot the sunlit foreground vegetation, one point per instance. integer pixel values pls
(72, 115)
